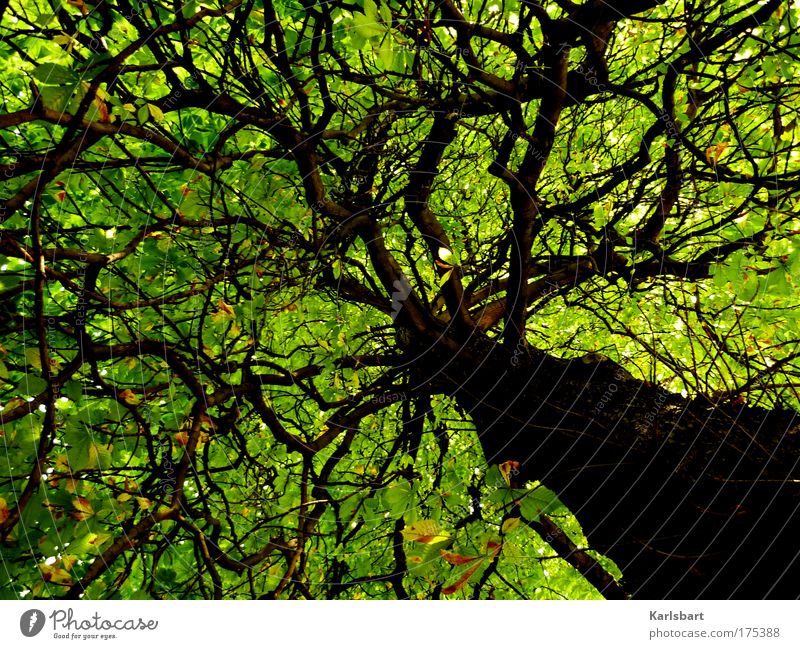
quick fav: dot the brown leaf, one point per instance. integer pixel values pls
(83, 509)
(225, 308)
(462, 580)
(456, 559)
(508, 470)
(102, 110)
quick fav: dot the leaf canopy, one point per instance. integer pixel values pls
(230, 235)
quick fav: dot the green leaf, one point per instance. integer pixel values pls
(387, 55)
(43, 20)
(367, 27)
(189, 8)
(385, 13)
(55, 74)
(539, 501)
(79, 442)
(348, 507)
(398, 498)
(63, 99)
(400, 61)
(371, 10)
(73, 390)
(90, 543)
(32, 385)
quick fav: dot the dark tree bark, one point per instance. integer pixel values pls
(691, 499)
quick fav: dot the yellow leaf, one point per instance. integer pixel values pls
(155, 112)
(83, 509)
(98, 456)
(426, 531)
(129, 397)
(144, 503)
(55, 575)
(713, 153)
(4, 513)
(510, 524)
(33, 358)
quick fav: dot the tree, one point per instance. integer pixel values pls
(409, 299)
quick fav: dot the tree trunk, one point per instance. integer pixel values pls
(691, 499)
